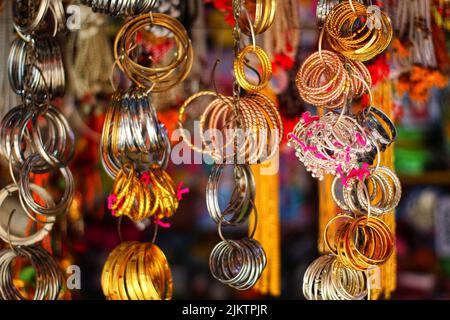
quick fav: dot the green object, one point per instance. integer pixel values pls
(409, 135)
(445, 264)
(411, 161)
(28, 274)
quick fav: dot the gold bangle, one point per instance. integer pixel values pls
(158, 78)
(263, 14)
(266, 68)
(137, 271)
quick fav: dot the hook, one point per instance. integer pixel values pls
(111, 74)
(149, 90)
(216, 90)
(255, 223)
(55, 21)
(252, 31)
(152, 21)
(378, 157)
(352, 6)
(322, 32)
(117, 62)
(25, 37)
(155, 232)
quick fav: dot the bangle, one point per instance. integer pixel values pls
(262, 12)
(159, 79)
(266, 66)
(48, 274)
(45, 225)
(137, 271)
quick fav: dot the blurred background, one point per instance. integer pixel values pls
(421, 97)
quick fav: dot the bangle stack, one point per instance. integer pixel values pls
(137, 271)
(135, 149)
(36, 139)
(344, 145)
(238, 130)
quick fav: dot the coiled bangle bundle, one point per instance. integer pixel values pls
(132, 132)
(237, 263)
(366, 40)
(240, 206)
(26, 196)
(15, 145)
(328, 145)
(329, 279)
(47, 70)
(137, 271)
(121, 7)
(384, 190)
(48, 274)
(378, 126)
(152, 194)
(35, 138)
(345, 145)
(374, 246)
(323, 80)
(260, 125)
(159, 79)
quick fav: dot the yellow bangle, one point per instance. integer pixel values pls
(266, 68)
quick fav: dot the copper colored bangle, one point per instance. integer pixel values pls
(322, 80)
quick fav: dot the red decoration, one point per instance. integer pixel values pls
(379, 69)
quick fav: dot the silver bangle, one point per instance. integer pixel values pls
(27, 199)
(48, 274)
(243, 196)
(46, 227)
(238, 263)
(121, 7)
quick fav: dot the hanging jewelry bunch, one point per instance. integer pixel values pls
(135, 149)
(345, 145)
(37, 141)
(416, 63)
(237, 131)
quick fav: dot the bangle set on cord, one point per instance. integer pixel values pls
(123, 8)
(237, 263)
(247, 128)
(159, 79)
(324, 7)
(137, 271)
(135, 150)
(238, 130)
(345, 145)
(259, 122)
(32, 18)
(35, 139)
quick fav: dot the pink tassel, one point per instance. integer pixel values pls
(181, 191)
